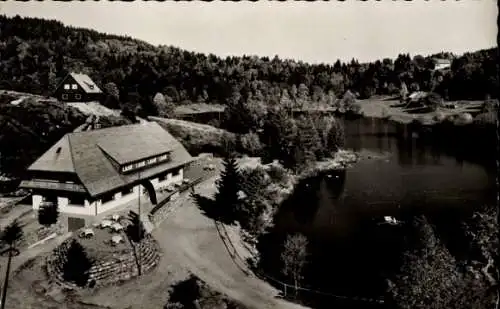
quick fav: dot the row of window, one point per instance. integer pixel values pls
(80, 201)
(109, 197)
(72, 86)
(140, 164)
(77, 96)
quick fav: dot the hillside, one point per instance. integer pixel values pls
(35, 54)
(32, 126)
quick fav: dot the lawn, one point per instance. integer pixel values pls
(380, 108)
(97, 246)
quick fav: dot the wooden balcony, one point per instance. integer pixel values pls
(49, 185)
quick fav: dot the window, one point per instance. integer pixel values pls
(78, 96)
(162, 177)
(75, 224)
(141, 164)
(107, 198)
(66, 86)
(152, 161)
(127, 191)
(64, 96)
(74, 87)
(76, 200)
(127, 168)
(176, 172)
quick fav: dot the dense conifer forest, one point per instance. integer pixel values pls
(36, 53)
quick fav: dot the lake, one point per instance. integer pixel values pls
(402, 173)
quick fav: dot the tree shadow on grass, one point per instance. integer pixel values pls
(418, 110)
(210, 208)
(398, 105)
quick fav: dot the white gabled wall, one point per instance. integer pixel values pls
(37, 199)
(65, 207)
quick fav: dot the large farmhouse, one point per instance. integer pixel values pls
(91, 172)
(77, 88)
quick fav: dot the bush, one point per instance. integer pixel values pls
(254, 181)
(489, 106)
(135, 229)
(463, 119)
(487, 118)
(250, 144)
(277, 173)
(228, 143)
(48, 214)
(439, 117)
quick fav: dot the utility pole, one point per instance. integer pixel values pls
(139, 229)
(6, 281)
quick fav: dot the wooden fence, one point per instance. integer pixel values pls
(168, 198)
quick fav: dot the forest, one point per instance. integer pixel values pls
(35, 54)
(137, 77)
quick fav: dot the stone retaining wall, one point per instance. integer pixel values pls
(118, 268)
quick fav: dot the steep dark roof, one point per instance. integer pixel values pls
(86, 154)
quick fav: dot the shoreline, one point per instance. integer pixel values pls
(343, 159)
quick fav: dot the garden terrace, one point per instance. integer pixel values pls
(110, 268)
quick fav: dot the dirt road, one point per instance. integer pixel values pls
(190, 244)
(193, 240)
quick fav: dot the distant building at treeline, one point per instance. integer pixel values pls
(77, 88)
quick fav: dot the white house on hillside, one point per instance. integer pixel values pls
(441, 64)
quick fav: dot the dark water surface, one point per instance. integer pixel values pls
(399, 176)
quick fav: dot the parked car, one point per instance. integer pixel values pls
(209, 167)
(86, 233)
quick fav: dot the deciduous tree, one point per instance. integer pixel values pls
(294, 258)
(429, 277)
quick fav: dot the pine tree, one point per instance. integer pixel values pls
(294, 258)
(254, 181)
(112, 90)
(77, 264)
(280, 132)
(228, 187)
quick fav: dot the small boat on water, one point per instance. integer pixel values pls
(390, 220)
(330, 176)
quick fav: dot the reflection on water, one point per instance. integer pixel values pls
(399, 176)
